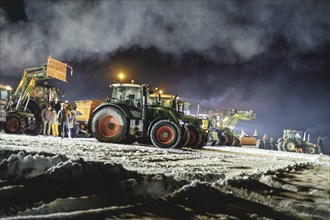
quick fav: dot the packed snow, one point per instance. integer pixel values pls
(47, 178)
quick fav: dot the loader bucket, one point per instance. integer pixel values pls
(56, 69)
(248, 140)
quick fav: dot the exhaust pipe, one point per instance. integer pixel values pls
(198, 106)
(144, 103)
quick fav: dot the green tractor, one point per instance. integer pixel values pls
(30, 96)
(197, 136)
(129, 115)
(292, 141)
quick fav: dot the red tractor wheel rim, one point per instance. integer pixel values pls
(12, 124)
(192, 137)
(109, 125)
(165, 134)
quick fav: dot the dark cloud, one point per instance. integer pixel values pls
(269, 56)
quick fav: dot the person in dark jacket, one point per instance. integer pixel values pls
(74, 126)
(64, 116)
(45, 117)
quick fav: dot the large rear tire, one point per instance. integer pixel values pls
(185, 137)
(109, 125)
(166, 134)
(290, 146)
(195, 137)
(13, 124)
(226, 139)
(204, 140)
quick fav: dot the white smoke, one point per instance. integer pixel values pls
(222, 31)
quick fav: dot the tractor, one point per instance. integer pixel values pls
(292, 141)
(128, 115)
(30, 96)
(197, 136)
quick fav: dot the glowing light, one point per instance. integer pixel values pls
(121, 76)
(160, 91)
(9, 88)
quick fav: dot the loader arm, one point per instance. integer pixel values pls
(231, 121)
(53, 69)
(230, 118)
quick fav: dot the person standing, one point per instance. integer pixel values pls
(64, 116)
(45, 117)
(54, 123)
(74, 128)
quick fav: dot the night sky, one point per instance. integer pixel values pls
(272, 57)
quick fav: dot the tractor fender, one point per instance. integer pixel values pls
(123, 108)
(155, 121)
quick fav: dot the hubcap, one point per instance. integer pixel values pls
(109, 125)
(290, 146)
(12, 124)
(310, 150)
(165, 135)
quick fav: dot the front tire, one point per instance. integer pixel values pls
(13, 124)
(290, 146)
(165, 134)
(109, 125)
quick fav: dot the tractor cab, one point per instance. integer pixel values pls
(128, 94)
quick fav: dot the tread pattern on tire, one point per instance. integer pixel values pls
(177, 137)
(109, 110)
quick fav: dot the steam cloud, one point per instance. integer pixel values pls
(221, 31)
(269, 56)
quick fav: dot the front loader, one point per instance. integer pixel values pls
(127, 116)
(30, 96)
(225, 121)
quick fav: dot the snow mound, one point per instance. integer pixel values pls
(22, 165)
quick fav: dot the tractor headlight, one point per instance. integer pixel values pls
(181, 122)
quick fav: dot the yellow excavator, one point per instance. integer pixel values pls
(23, 115)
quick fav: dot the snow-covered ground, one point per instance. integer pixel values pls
(46, 178)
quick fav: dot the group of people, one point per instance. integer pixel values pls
(62, 123)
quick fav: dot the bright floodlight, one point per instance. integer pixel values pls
(8, 88)
(121, 75)
(160, 91)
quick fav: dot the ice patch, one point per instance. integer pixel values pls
(22, 165)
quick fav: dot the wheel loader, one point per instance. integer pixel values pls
(197, 136)
(292, 141)
(129, 115)
(30, 96)
(225, 121)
